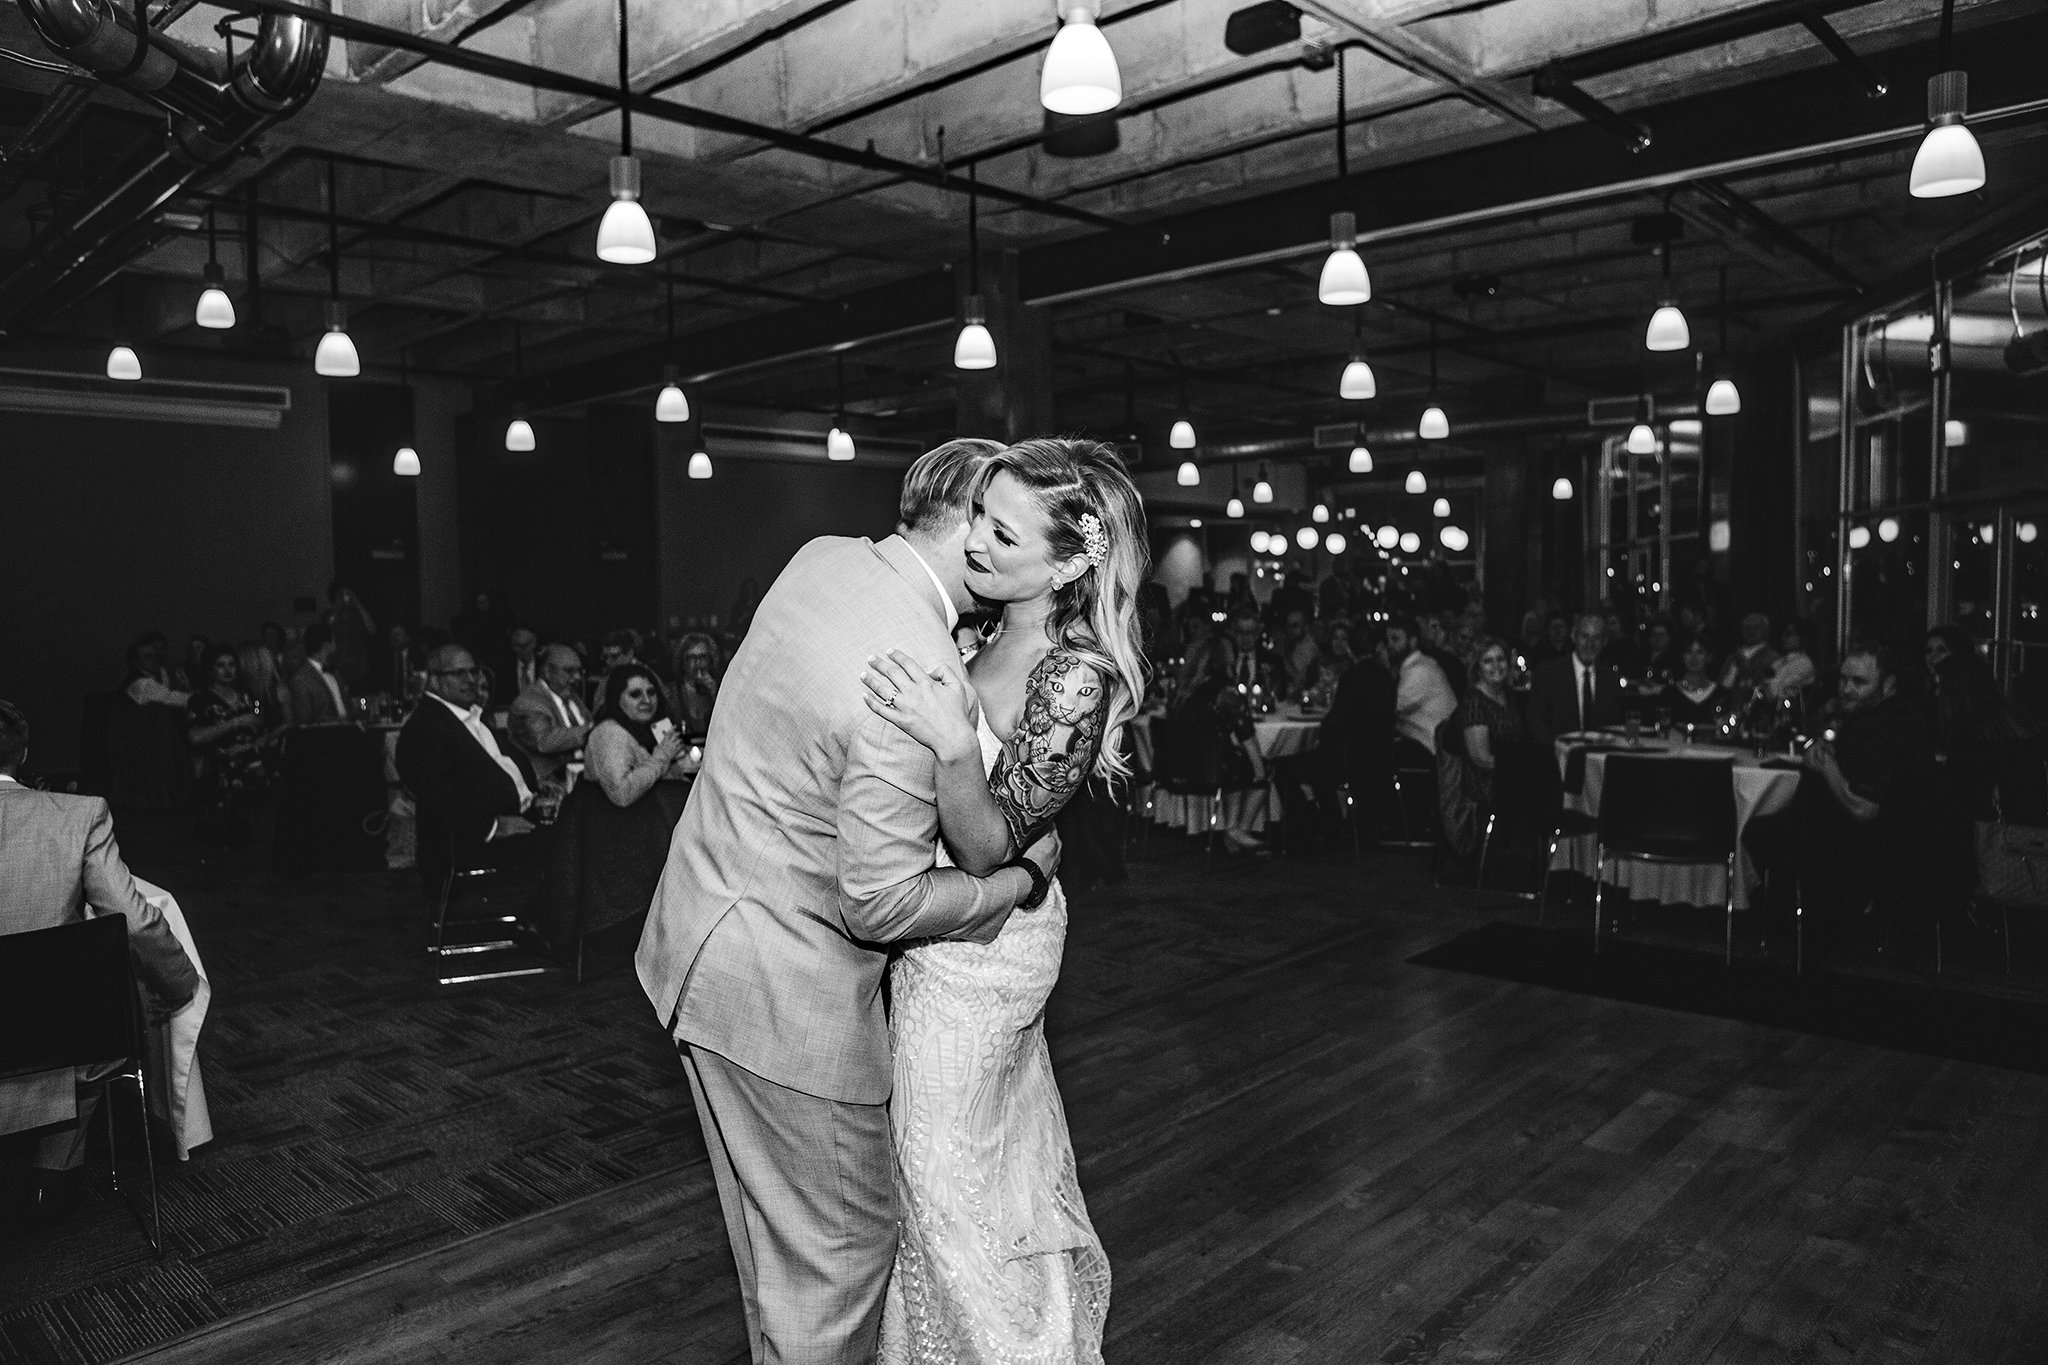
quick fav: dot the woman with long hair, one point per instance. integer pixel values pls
(997, 1260)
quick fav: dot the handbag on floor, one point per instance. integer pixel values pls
(2012, 861)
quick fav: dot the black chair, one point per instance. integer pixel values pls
(331, 801)
(1414, 783)
(1190, 759)
(1528, 796)
(68, 999)
(460, 873)
(605, 861)
(1667, 811)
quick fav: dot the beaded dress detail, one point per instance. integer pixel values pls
(996, 1262)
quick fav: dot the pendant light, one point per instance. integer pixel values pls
(1357, 383)
(1262, 491)
(519, 431)
(1415, 483)
(1335, 543)
(216, 311)
(1723, 398)
(1434, 426)
(626, 234)
(700, 466)
(336, 356)
(1642, 439)
(1949, 160)
(1410, 542)
(1361, 460)
(1440, 508)
(839, 441)
(1387, 537)
(1667, 330)
(123, 363)
(1561, 489)
(1344, 282)
(406, 462)
(1319, 514)
(1307, 537)
(1260, 540)
(672, 405)
(975, 349)
(1182, 436)
(1188, 476)
(1235, 507)
(1080, 75)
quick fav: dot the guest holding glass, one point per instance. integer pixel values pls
(1697, 697)
(1485, 719)
(696, 682)
(224, 727)
(634, 742)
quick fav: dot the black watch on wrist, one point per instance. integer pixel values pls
(1040, 885)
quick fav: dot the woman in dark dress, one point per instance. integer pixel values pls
(224, 726)
(1484, 720)
(1696, 697)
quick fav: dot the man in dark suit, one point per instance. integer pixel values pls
(316, 694)
(57, 856)
(1354, 747)
(1576, 692)
(472, 795)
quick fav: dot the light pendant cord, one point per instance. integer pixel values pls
(1948, 34)
(518, 358)
(1432, 357)
(333, 237)
(212, 245)
(1343, 165)
(1724, 312)
(973, 229)
(839, 387)
(669, 278)
(625, 103)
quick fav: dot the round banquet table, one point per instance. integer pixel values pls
(1281, 734)
(1763, 786)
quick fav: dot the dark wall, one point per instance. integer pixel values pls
(376, 514)
(1761, 467)
(751, 517)
(116, 527)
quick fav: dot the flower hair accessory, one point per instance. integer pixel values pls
(1094, 540)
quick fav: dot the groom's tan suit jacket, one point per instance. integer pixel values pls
(808, 842)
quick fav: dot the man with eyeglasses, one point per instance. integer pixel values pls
(549, 721)
(472, 795)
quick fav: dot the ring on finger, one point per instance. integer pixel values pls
(889, 702)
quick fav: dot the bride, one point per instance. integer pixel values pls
(997, 1263)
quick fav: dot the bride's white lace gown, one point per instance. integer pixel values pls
(997, 1263)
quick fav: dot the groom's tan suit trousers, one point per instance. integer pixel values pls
(805, 850)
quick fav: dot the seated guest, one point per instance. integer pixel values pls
(1793, 672)
(1300, 658)
(1749, 667)
(1341, 652)
(471, 795)
(1621, 653)
(57, 856)
(1352, 748)
(223, 728)
(619, 647)
(353, 629)
(398, 662)
(1695, 698)
(548, 721)
(1423, 698)
(525, 660)
(317, 697)
(1576, 692)
(1662, 663)
(262, 684)
(697, 681)
(1251, 663)
(1830, 836)
(1485, 719)
(1436, 628)
(1556, 641)
(1988, 747)
(152, 768)
(634, 743)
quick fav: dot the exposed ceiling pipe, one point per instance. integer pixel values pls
(1296, 447)
(216, 106)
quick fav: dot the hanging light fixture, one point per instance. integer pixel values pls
(1319, 513)
(700, 466)
(1361, 460)
(1410, 542)
(1949, 160)
(839, 441)
(1434, 426)
(975, 349)
(1259, 541)
(1344, 282)
(626, 234)
(1188, 476)
(1440, 508)
(1454, 538)
(1357, 383)
(1080, 75)
(1262, 491)
(1561, 490)
(335, 357)
(406, 463)
(519, 431)
(1667, 330)
(1642, 439)
(672, 404)
(122, 363)
(1335, 543)
(1234, 508)
(1308, 537)
(216, 311)
(1182, 437)
(1415, 482)
(1388, 537)
(1859, 537)
(1723, 398)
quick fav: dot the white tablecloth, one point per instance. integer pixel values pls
(1758, 791)
(1279, 735)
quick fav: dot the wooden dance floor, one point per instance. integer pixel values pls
(1300, 1148)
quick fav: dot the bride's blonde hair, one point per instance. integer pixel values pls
(1095, 615)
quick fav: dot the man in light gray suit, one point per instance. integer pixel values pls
(57, 856)
(806, 849)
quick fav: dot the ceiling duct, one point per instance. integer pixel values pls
(63, 393)
(216, 105)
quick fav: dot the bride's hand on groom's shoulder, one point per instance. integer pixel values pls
(934, 706)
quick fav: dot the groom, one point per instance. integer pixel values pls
(807, 848)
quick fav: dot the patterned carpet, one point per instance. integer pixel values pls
(362, 1112)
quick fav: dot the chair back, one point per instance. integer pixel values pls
(68, 997)
(1525, 781)
(1681, 809)
(1188, 755)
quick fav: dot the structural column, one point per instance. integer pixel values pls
(1014, 400)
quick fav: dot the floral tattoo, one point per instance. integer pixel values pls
(1054, 746)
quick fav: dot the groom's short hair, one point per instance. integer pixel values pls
(936, 488)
